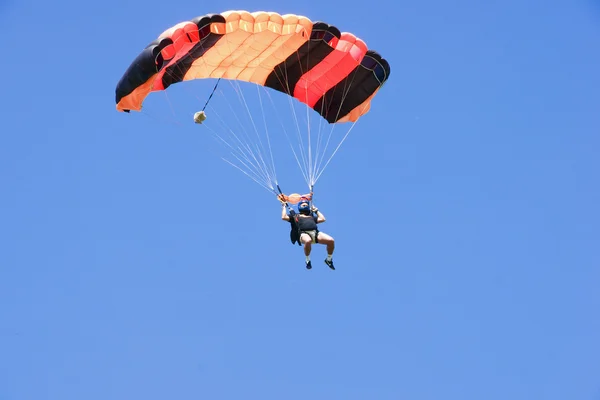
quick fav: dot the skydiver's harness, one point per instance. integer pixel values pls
(295, 231)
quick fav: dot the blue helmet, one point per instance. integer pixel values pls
(304, 205)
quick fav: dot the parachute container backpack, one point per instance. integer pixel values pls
(332, 75)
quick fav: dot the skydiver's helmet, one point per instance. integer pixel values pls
(304, 207)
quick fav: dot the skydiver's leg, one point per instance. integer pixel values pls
(330, 243)
(306, 240)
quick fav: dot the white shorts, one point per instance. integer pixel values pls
(312, 234)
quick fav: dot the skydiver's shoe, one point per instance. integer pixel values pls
(329, 263)
(308, 265)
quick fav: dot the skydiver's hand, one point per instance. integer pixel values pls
(314, 209)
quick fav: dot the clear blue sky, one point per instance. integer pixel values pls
(134, 263)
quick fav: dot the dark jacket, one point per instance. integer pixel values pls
(294, 229)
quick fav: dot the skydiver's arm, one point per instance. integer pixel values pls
(320, 216)
(284, 215)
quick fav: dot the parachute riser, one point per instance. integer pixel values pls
(283, 198)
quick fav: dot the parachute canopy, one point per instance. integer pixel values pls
(330, 71)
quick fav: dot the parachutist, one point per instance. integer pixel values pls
(199, 117)
(305, 230)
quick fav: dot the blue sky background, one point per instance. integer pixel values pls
(136, 264)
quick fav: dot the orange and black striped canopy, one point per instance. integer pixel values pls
(331, 71)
